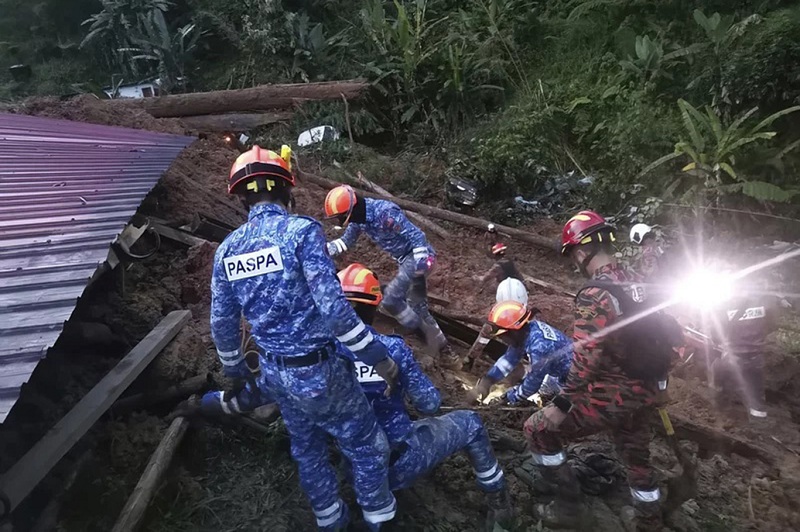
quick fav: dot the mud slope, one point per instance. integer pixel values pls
(237, 480)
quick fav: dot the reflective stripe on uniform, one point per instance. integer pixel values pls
(646, 495)
(329, 515)
(419, 250)
(757, 413)
(504, 366)
(340, 245)
(483, 340)
(492, 475)
(230, 358)
(362, 344)
(355, 331)
(550, 460)
(381, 516)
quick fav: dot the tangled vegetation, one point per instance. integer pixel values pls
(688, 101)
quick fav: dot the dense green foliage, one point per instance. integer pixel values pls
(513, 91)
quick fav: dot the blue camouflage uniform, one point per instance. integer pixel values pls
(390, 229)
(419, 446)
(274, 270)
(548, 352)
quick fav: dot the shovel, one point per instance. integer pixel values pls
(683, 487)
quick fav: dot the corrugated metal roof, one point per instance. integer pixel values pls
(67, 189)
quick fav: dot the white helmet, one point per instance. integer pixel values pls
(512, 290)
(638, 232)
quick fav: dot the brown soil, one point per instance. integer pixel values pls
(230, 479)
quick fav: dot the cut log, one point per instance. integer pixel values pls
(23, 476)
(234, 122)
(193, 385)
(133, 513)
(420, 220)
(443, 214)
(263, 97)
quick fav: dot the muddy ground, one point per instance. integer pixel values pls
(226, 479)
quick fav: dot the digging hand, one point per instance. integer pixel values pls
(480, 390)
(388, 370)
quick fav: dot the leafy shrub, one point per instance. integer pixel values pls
(763, 67)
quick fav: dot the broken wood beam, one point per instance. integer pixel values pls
(176, 235)
(548, 286)
(466, 334)
(234, 122)
(459, 316)
(183, 389)
(262, 97)
(713, 439)
(420, 220)
(19, 481)
(443, 214)
(133, 513)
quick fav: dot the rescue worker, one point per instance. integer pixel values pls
(420, 446)
(648, 262)
(546, 350)
(386, 224)
(275, 271)
(599, 395)
(740, 327)
(510, 286)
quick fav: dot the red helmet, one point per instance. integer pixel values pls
(258, 162)
(581, 228)
(499, 249)
(360, 285)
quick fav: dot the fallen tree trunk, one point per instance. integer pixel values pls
(193, 385)
(443, 214)
(417, 218)
(259, 98)
(712, 439)
(133, 513)
(234, 121)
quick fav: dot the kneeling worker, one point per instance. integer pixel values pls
(419, 446)
(547, 350)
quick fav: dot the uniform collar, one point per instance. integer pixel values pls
(369, 203)
(265, 208)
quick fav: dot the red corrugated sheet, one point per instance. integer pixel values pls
(67, 189)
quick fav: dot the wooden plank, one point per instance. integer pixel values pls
(23, 476)
(133, 513)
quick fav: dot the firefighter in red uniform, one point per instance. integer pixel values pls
(600, 394)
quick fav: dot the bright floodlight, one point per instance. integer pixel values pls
(705, 289)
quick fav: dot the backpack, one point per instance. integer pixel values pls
(644, 348)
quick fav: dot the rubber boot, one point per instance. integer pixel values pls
(449, 358)
(564, 511)
(434, 338)
(501, 512)
(643, 517)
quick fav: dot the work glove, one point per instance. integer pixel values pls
(336, 247)
(388, 370)
(550, 387)
(480, 390)
(512, 395)
(423, 260)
